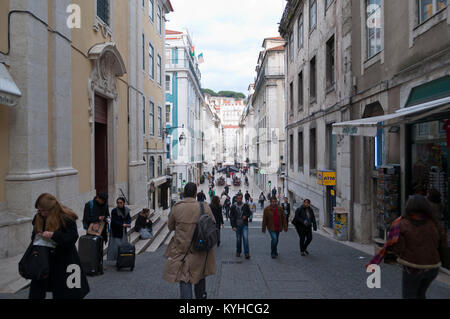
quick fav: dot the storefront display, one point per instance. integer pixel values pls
(388, 198)
(429, 154)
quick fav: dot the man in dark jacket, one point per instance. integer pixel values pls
(247, 196)
(304, 221)
(201, 197)
(239, 215)
(99, 213)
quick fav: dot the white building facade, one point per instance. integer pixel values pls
(184, 100)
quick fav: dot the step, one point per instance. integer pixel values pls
(169, 238)
(142, 245)
(159, 241)
(134, 236)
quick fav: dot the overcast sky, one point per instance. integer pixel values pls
(229, 34)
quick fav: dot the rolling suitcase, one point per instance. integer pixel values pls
(90, 250)
(126, 257)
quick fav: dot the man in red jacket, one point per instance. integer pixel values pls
(274, 219)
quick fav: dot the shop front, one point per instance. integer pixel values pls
(428, 160)
(426, 132)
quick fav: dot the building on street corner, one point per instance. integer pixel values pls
(185, 100)
(79, 126)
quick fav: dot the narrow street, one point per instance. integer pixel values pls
(332, 270)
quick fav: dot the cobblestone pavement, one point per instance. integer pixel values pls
(332, 270)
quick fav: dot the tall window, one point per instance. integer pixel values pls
(160, 121)
(373, 27)
(151, 165)
(300, 31)
(168, 83)
(168, 113)
(428, 8)
(300, 151)
(312, 149)
(330, 62)
(151, 9)
(300, 90)
(291, 151)
(291, 46)
(151, 119)
(159, 69)
(160, 164)
(291, 96)
(312, 79)
(143, 114)
(143, 51)
(151, 62)
(312, 15)
(103, 10)
(159, 19)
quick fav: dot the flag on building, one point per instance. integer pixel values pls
(201, 59)
(192, 51)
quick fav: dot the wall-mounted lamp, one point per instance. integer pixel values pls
(394, 129)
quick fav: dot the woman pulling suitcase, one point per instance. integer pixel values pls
(120, 221)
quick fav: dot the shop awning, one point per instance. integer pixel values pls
(369, 126)
(9, 92)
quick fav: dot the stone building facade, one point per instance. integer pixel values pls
(77, 127)
(268, 103)
(318, 88)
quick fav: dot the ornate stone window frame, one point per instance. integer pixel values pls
(99, 24)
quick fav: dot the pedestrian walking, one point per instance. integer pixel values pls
(286, 208)
(54, 226)
(262, 199)
(201, 197)
(144, 225)
(120, 221)
(216, 209)
(415, 239)
(274, 192)
(252, 206)
(185, 265)
(227, 205)
(304, 222)
(240, 213)
(274, 220)
(247, 196)
(95, 211)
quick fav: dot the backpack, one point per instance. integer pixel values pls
(205, 235)
(91, 208)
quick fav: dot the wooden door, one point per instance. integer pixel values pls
(101, 144)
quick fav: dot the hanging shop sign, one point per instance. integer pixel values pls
(326, 178)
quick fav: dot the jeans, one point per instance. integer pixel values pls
(186, 290)
(415, 285)
(242, 232)
(305, 237)
(274, 243)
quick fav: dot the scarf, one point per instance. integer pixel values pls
(394, 234)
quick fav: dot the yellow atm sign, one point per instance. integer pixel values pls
(326, 178)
